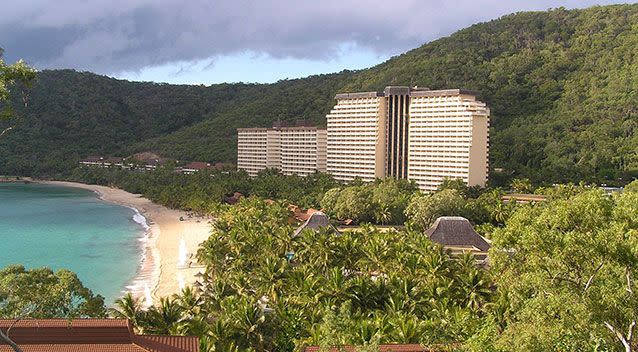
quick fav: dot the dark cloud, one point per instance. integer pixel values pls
(125, 35)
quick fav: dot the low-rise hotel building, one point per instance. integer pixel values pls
(252, 149)
(413, 133)
(297, 150)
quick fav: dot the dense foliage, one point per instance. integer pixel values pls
(560, 84)
(10, 75)
(561, 277)
(268, 290)
(42, 293)
(381, 202)
(567, 271)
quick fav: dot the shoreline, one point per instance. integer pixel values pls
(164, 235)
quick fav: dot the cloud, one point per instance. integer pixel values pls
(128, 35)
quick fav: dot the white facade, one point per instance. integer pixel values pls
(252, 150)
(448, 138)
(292, 150)
(273, 149)
(419, 134)
(356, 137)
(301, 150)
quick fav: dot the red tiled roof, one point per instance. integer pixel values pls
(382, 348)
(167, 343)
(76, 348)
(95, 335)
(63, 323)
(220, 166)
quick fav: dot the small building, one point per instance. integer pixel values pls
(95, 335)
(316, 221)
(92, 160)
(523, 198)
(148, 161)
(195, 166)
(299, 214)
(456, 234)
(114, 161)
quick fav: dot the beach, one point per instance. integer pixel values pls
(158, 271)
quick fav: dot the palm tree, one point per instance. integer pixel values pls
(128, 307)
(476, 290)
(383, 214)
(405, 329)
(247, 319)
(189, 301)
(165, 318)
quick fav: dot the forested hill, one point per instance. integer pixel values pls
(562, 86)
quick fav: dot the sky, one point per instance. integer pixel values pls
(214, 41)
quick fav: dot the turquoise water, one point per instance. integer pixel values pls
(61, 227)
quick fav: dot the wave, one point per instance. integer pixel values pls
(140, 219)
(146, 273)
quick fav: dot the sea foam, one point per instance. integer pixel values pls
(140, 219)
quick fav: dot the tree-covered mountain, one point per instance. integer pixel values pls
(562, 86)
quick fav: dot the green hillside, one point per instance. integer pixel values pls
(562, 86)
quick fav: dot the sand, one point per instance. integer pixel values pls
(159, 267)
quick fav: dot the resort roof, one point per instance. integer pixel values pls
(456, 231)
(95, 335)
(92, 159)
(316, 221)
(197, 165)
(405, 90)
(523, 198)
(114, 159)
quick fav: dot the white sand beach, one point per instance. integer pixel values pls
(159, 269)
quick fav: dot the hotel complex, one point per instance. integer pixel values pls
(406, 133)
(297, 150)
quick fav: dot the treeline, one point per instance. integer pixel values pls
(383, 202)
(206, 190)
(560, 85)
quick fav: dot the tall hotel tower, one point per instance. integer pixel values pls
(414, 133)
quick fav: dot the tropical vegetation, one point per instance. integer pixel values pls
(561, 276)
(43, 293)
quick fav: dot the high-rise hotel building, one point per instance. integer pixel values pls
(415, 133)
(297, 150)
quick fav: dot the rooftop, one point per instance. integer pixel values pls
(197, 165)
(456, 232)
(95, 335)
(405, 90)
(316, 221)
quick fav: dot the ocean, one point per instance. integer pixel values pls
(70, 228)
